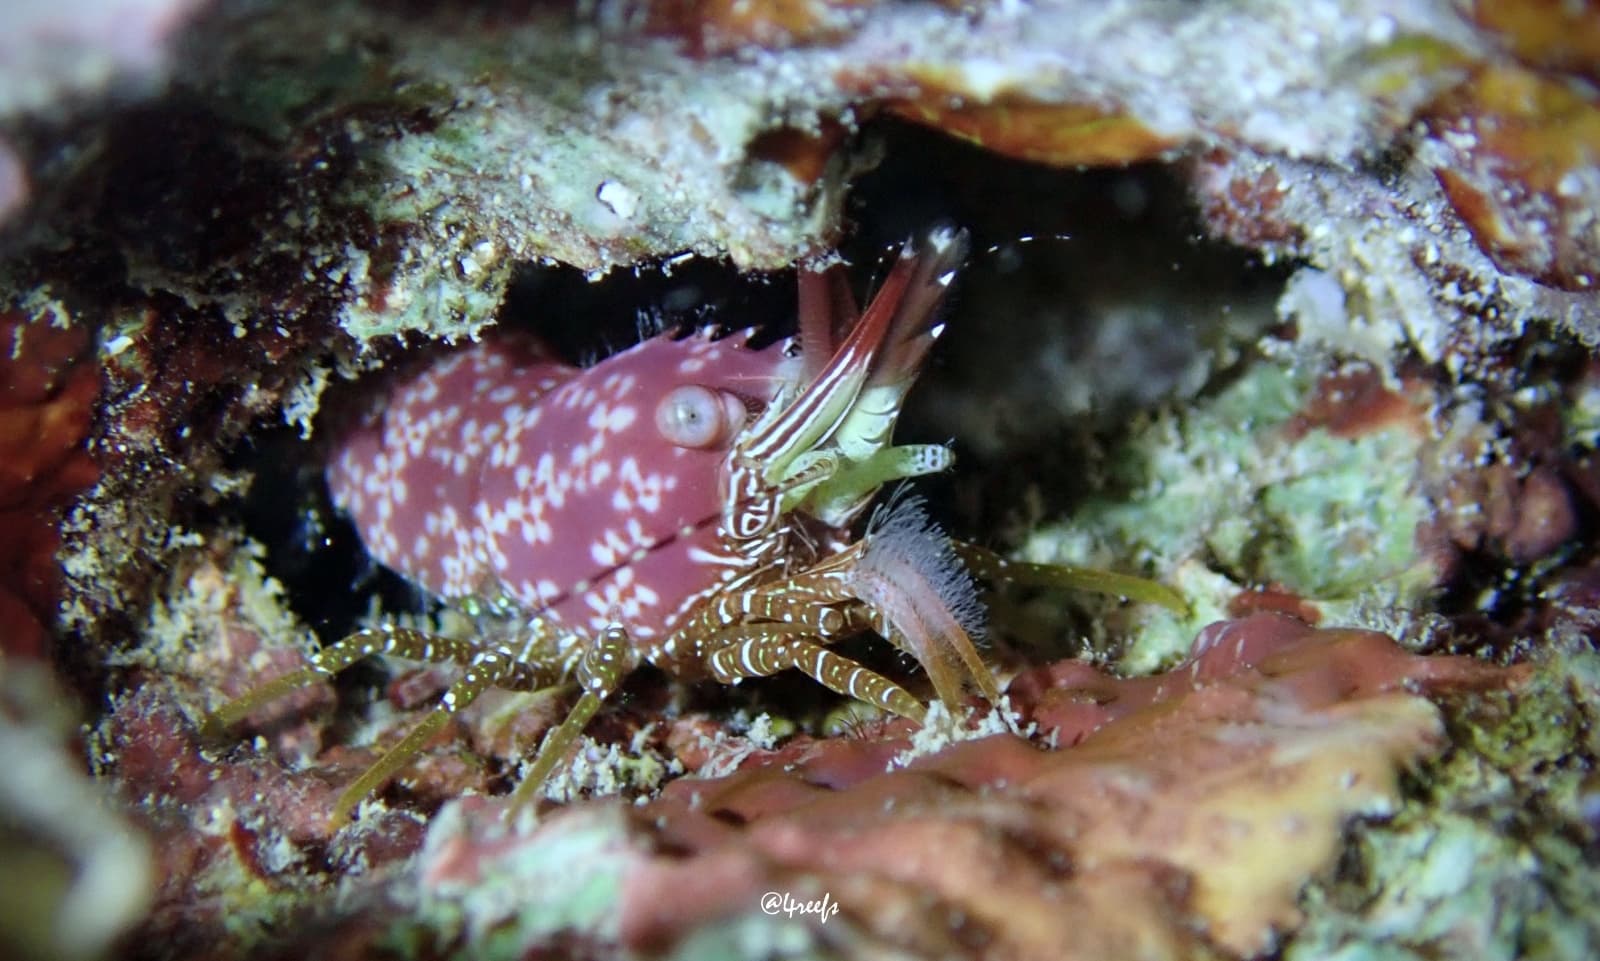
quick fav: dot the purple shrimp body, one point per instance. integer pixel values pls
(586, 497)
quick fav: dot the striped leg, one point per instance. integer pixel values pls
(329, 661)
(786, 602)
(763, 649)
(818, 599)
(398, 641)
(606, 661)
(486, 669)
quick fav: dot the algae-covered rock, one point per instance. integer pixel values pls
(1489, 858)
(1248, 484)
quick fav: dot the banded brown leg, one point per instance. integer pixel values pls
(606, 661)
(497, 667)
(757, 650)
(398, 641)
(486, 667)
(791, 602)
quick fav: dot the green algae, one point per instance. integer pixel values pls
(1233, 485)
(535, 888)
(756, 936)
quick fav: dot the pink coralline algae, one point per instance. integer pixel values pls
(458, 485)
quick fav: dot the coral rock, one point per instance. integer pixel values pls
(1519, 157)
(1181, 814)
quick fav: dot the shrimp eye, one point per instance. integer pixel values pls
(699, 417)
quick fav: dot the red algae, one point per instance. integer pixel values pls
(47, 395)
(1274, 598)
(1356, 401)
